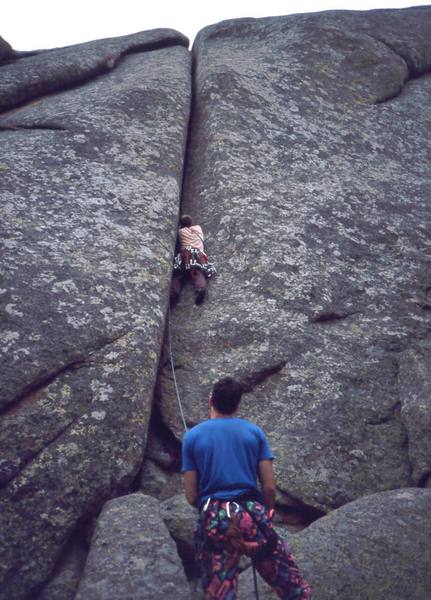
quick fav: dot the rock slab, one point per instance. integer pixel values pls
(377, 547)
(309, 172)
(132, 555)
(90, 187)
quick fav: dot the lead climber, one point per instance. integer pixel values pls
(222, 458)
(191, 261)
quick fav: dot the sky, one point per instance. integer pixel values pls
(37, 24)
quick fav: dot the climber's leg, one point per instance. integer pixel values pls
(176, 285)
(199, 283)
(279, 570)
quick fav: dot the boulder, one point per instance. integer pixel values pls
(90, 183)
(308, 169)
(180, 519)
(6, 52)
(376, 547)
(132, 555)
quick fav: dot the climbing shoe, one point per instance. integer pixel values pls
(200, 297)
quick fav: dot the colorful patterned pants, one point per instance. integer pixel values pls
(219, 560)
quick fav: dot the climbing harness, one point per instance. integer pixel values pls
(234, 504)
(193, 258)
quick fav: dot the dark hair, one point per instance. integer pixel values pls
(186, 221)
(226, 395)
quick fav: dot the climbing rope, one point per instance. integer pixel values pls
(171, 358)
(256, 589)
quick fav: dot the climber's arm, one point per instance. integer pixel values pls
(266, 477)
(191, 485)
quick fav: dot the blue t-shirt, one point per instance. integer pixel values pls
(225, 452)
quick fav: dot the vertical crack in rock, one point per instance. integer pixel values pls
(415, 386)
(64, 580)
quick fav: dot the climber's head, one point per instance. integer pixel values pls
(226, 395)
(186, 221)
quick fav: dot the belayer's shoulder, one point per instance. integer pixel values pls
(196, 428)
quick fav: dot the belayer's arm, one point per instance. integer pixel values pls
(191, 485)
(266, 477)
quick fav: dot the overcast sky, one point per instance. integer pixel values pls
(32, 24)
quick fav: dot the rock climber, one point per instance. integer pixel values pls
(191, 261)
(222, 458)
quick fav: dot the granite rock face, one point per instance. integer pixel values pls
(158, 482)
(307, 164)
(90, 186)
(65, 581)
(180, 519)
(309, 171)
(376, 547)
(72, 65)
(132, 555)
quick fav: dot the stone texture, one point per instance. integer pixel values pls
(309, 171)
(377, 547)
(162, 446)
(90, 183)
(415, 386)
(132, 555)
(180, 518)
(64, 583)
(155, 481)
(65, 67)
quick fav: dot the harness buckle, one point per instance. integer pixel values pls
(235, 504)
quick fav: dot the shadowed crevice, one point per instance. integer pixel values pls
(170, 442)
(72, 559)
(35, 126)
(293, 513)
(413, 71)
(331, 316)
(425, 480)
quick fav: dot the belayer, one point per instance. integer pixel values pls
(191, 261)
(222, 459)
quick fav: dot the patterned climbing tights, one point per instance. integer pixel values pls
(219, 566)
